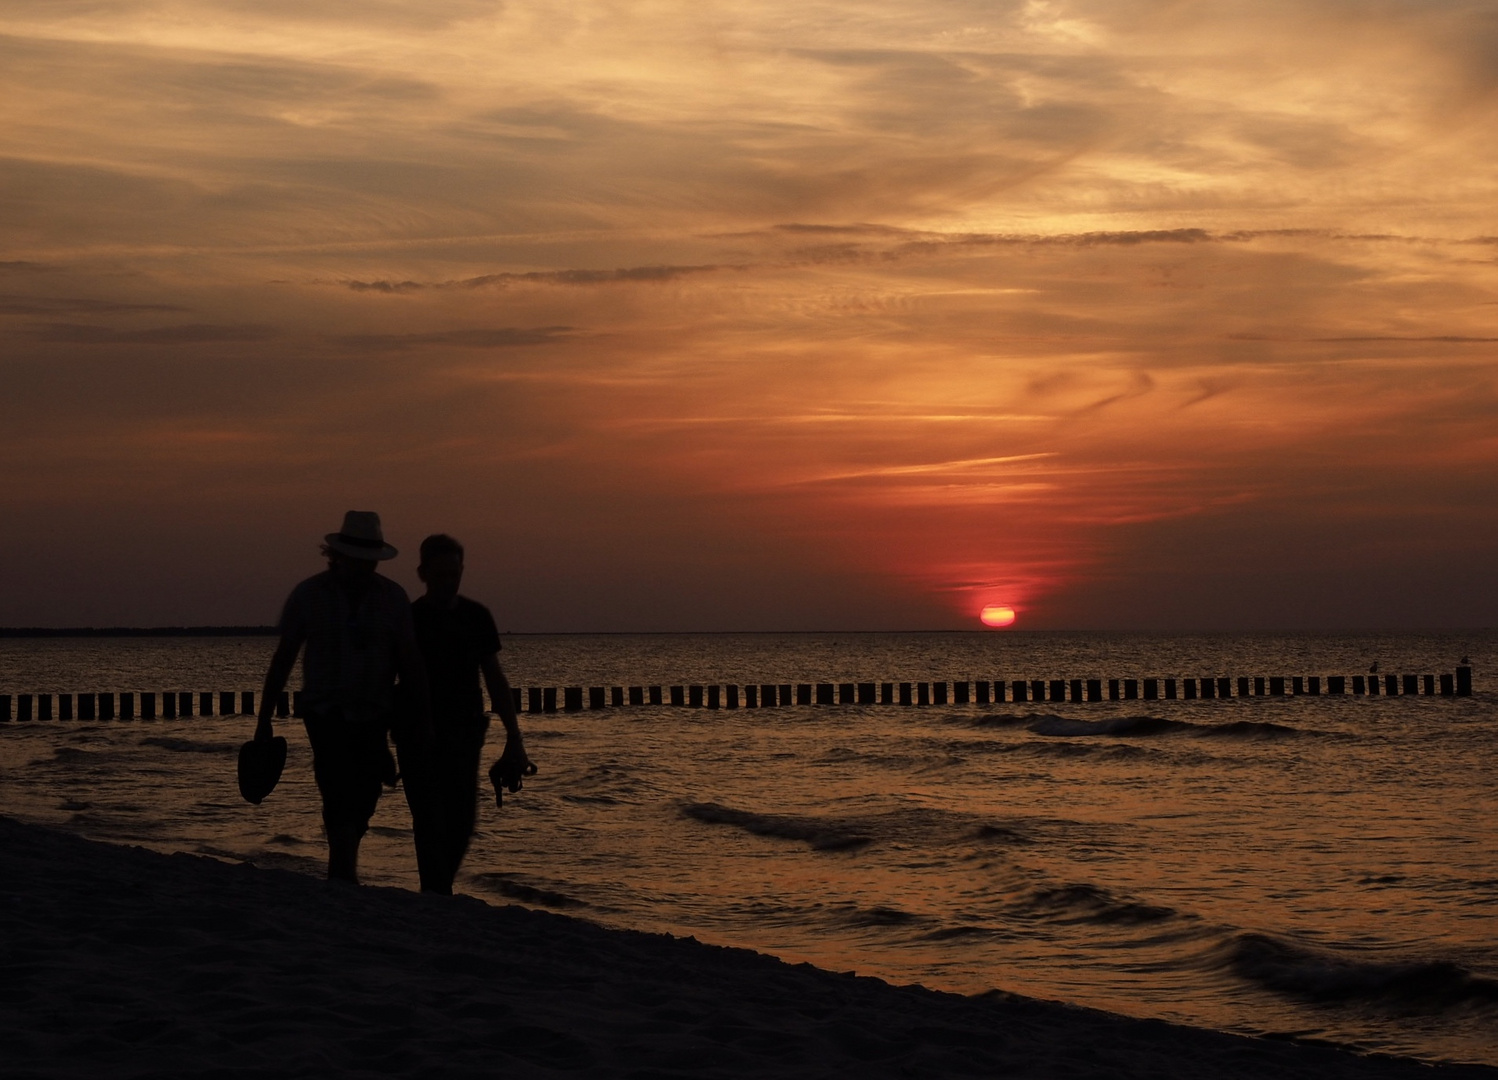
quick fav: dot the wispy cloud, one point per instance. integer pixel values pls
(187, 334)
(720, 315)
(500, 338)
(73, 305)
(538, 277)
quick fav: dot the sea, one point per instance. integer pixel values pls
(1319, 867)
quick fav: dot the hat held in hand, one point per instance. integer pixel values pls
(260, 765)
(361, 537)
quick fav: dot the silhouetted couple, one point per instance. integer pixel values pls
(361, 635)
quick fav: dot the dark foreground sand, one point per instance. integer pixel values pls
(120, 962)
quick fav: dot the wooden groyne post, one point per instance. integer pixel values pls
(98, 706)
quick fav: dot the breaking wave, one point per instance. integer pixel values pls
(1113, 725)
(1054, 725)
(1252, 730)
(72, 754)
(1002, 834)
(1315, 975)
(186, 746)
(881, 915)
(1090, 904)
(1002, 720)
(819, 834)
(526, 894)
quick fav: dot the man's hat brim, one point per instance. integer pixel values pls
(260, 766)
(356, 549)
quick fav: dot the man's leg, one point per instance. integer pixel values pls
(417, 776)
(348, 763)
(343, 854)
(460, 797)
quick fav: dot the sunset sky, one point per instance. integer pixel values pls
(764, 315)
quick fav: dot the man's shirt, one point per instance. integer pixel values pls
(453, 641)
(352, 642)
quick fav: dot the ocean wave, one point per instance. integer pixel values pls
(1068, 749)
(1002, 834)
(819, 834)
(118, 822)
(1002, 720)
(1091, 904)
(961, 750)
(1056, 725)
(842, 755)
(1138, 726)
(1316, 975)
(66, 755)
(310, 865)
(606, 772)
(882, 915)
(1252, 730)
(526, 894)
(188, 746)
(1113, 725)
(612, 782)
(1481, 891)
(966, 932)
(843, 915)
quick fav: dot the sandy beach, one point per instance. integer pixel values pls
(118, 961)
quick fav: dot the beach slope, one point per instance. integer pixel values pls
(119, 962)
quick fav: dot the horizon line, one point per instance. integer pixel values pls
(263, 630)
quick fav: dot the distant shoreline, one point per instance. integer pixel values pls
(271, 631)
(135, 631)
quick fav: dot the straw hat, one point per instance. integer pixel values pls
(361, 537)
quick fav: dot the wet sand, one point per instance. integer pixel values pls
(118, 962)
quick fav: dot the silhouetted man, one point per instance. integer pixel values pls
(357, 628)
(458, 643)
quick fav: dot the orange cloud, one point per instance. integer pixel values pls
(860, 314)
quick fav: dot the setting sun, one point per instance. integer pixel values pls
(997, 615)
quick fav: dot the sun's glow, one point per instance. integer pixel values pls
(997, 615)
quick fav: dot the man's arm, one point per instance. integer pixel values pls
(281, 666)
(503, 701)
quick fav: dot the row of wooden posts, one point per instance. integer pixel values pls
(110, 706)
(544, 699)
(983, 692)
